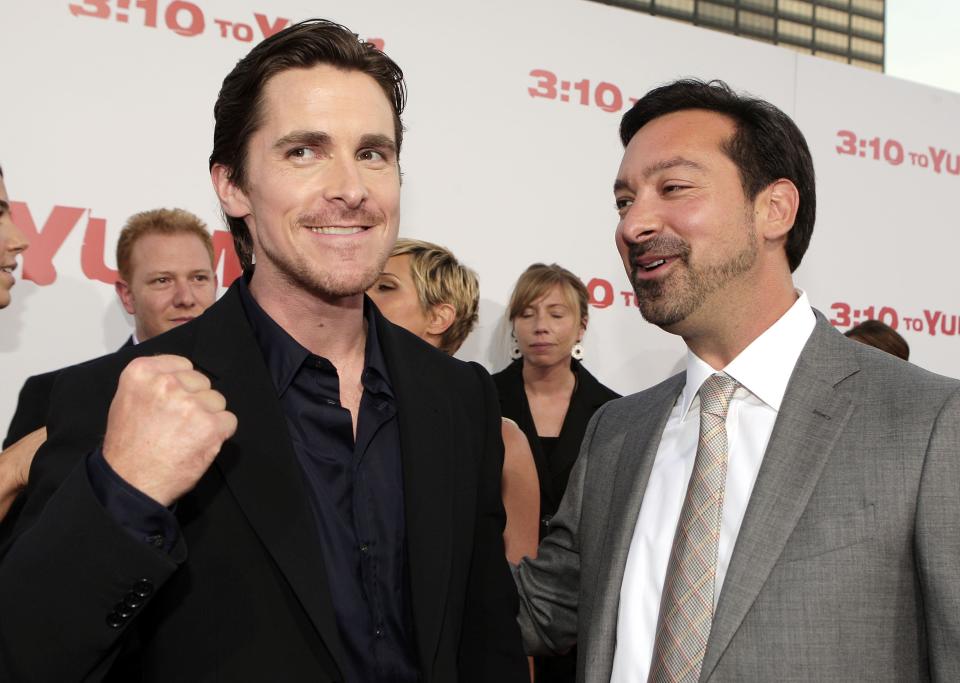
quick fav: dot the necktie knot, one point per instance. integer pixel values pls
(715, 394)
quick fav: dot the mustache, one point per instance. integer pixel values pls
(661, 244)
(359, 216)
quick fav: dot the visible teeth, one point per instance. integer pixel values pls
(336, 230)
(8, 269)
(655, 264)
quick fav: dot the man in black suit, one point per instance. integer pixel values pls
(288, 488)
(166, 278)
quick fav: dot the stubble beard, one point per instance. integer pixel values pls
(335, 283)
(671, 300)
(325, 284)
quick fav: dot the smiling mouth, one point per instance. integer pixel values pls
(336, 230)
(650, 266)
(9, 269)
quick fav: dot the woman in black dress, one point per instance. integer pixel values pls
(550, 395)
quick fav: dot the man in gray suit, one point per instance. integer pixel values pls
(787, 509)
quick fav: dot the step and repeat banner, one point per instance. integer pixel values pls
(509, 158)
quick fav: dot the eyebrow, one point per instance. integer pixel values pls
(378, 141)
(316, 138)
(665, 165)
(306, 138)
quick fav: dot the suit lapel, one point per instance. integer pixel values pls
(428, 482)
(259, 464)
(811, 417)
(635, 461)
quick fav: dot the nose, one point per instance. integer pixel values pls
(13, 240)
(640, 222)
(183, 294)
(344, 183)
(540, 322)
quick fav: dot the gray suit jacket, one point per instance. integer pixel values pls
(847, 565)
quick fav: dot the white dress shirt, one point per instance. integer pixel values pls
(762, 370)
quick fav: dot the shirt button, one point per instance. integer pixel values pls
(143, 588)
(379, 632)
(364, 548)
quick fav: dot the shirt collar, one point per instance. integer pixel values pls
(284, 355)
(765, 366)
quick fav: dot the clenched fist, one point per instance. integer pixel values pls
(165, 426)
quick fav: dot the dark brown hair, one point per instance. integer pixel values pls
(238, 112)
(766, 146)
(882, 336)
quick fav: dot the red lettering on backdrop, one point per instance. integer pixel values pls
(92, 255)
(44, 244)
(601, 292)
(223, 249)
(266, 27)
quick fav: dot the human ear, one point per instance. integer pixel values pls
(776, 209)
(441, 317)
(126, 296)
(232, 199)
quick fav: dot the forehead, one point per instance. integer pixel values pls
(176, 252)
(327, 99)
(399, 265)
(557, 294)
(693, 135)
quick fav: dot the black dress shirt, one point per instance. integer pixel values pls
(355, 487)
(356, 491)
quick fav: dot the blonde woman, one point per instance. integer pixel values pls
(424, 289)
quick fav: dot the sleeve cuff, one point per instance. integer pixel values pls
(141, 516)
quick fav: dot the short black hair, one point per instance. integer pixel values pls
(238, 111)
(766, 146)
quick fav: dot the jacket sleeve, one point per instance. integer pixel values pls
(937, 543)
(72, 580)
(549, 585)
(31, 411)
(490, 649)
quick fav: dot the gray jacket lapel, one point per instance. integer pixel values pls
(811, 417)
(635, 462)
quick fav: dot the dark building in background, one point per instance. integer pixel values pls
(849, 31)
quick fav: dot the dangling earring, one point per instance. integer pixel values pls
(577, 351)
(515, 352)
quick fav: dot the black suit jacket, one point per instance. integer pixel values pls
(587, 397)
(33, 404)
(243, 596)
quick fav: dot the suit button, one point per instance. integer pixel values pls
(114, 620)
(143, 588)
(122, 611)
(132, 601)
(157, 540)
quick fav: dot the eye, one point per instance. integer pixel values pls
(371, 155)
(201, 277)
(301, 153)
(673, 188)
(162, 280)
(385, 287)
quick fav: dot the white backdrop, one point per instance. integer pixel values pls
(104, 115)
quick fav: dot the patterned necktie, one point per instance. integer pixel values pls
(686, 606)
